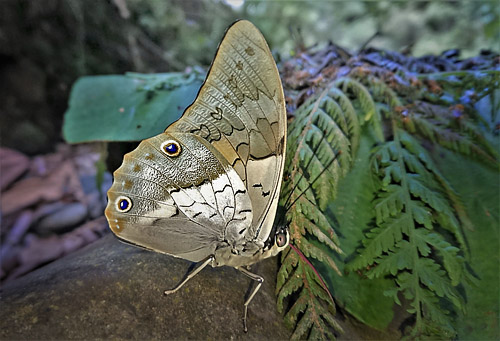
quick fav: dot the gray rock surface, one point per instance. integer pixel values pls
(112, 290)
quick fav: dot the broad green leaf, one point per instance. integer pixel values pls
(126, 107)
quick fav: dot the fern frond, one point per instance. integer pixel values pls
(452, 260)
(476, 134)
(326, 129)
(363, 102)
(311, 314)
(418, 153)
(380, 240)
(381, 92)
(416, 218)
(418, 161)
(411, 213)
(350, 116)
(366, 102)
(451, 139)
(415, 235)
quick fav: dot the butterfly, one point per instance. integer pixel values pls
(207, 188)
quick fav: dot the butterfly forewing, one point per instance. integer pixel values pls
(240, 110)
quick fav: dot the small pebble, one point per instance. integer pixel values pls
(62, 220)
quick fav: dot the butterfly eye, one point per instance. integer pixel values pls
(281, 239)
(171, 148)
(123, 204)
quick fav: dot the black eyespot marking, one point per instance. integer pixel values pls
(171, 148)
(123, 204)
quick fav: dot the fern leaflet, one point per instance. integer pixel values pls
(325, 133)
(412, 218)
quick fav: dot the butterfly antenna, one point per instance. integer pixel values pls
(315, 179)
(282, 217)
(323, 284)
(301, 255)
(307, 166)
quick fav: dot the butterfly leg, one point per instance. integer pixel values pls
(191, 275)
(258, 279)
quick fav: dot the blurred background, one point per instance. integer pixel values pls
(46, 45)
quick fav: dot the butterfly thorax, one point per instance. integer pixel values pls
(252, 252)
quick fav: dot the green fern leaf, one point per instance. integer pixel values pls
(325, 133)
(398, 258)
(381, 239)
(418, 161)
(361, 297)
(465, 141)
(452, 261)
(416, 234)
(363, 102)
(410, 211)
(415, 220)
(389, 203)
(315, 315)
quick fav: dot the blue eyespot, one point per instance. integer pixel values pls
(123, 203)
(171, 148)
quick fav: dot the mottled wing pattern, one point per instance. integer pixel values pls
(240, 110)
(185, 206)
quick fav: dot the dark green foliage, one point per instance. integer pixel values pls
(399, 232)
(359, 296)
(479, 188)
(312, 313)
(414, 225)
(407, 241)
(324, 134)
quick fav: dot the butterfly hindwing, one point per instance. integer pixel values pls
(185, 205)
